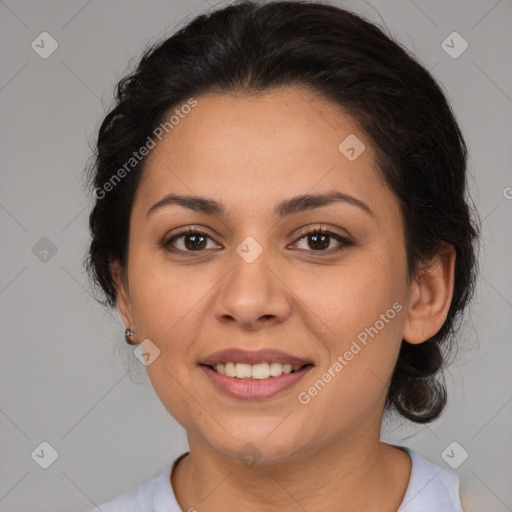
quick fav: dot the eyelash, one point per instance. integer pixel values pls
(344, 241)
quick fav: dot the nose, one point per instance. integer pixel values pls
(254, 295)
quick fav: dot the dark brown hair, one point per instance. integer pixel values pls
(250, 48)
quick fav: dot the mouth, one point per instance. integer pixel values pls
(260, 371)
(254, 375)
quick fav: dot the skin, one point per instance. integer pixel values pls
(250, 153)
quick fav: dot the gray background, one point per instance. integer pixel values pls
(67, 377)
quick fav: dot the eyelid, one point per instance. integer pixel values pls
(321, 229)
(191, 229)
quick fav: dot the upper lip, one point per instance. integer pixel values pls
(236, 355)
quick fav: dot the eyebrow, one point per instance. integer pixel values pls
(284, 209)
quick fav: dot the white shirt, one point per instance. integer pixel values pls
(431, 489)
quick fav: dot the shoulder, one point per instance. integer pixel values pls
(137, 499)
(430, 487)
(149, 496)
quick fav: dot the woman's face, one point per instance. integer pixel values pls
(255, 279)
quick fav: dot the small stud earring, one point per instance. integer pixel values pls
(128, 335)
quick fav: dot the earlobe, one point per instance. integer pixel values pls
(430, 297)
(122, 292)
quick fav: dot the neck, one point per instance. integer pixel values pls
(358, 473)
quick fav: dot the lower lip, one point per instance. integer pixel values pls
(254, 388)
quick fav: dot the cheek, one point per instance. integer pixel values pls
(165, 304)
(343, 301)
(357, 313)
(165, 296)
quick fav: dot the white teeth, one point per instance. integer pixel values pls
(229, 369)
(260, 371)
(243, 371)
(276, 369)
(255, 371)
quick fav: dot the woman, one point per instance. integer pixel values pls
(281, 219)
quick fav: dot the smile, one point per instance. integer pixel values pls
(262, 384)
(255, 371)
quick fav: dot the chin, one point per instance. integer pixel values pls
(262, 442)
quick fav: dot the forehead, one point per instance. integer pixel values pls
(251, 149)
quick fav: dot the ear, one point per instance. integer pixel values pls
(430, 297)
(122, 293)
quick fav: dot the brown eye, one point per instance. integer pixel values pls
(193, 242)
(319, 240)
(188, 241)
